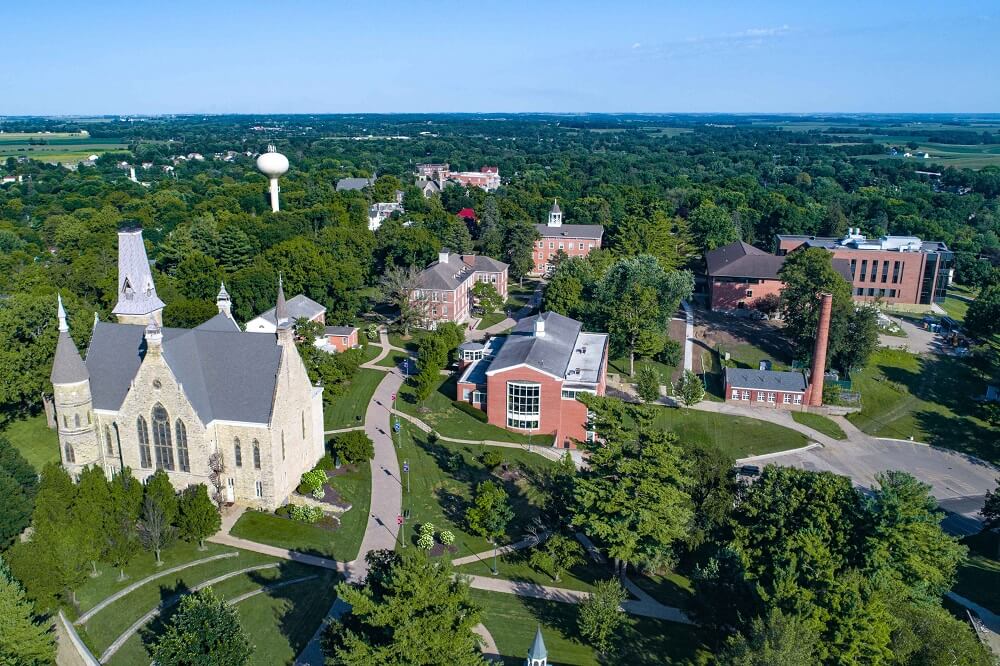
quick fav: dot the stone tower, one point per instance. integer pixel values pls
(73, 402)
(137, 299)
(537, 655)
(555, 214)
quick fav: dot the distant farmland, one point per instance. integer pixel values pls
(67, 147)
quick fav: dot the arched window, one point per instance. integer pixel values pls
(145, 460)
(182, 446)
(108, 441)
(282, 444)
(303, 415)
(70, 456)
(237, 452)
(76, 420)
(256, 454)
(162, 447)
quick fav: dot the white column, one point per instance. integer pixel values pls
(274, 195)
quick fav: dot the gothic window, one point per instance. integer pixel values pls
(70, 455)
(303, 415)
(237, 452)
(182, 446)
(162, 446)
(76, 420)
(256, 454)
(145, 460)
(282, 444)
(107, 440)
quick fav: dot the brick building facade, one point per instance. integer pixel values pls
(574, 240)
(766, 388)
(444, 292)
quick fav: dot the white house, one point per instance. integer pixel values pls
(299, 307)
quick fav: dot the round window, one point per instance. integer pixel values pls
(156, 383)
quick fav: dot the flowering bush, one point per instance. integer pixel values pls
(426, 541)
(319, 493)
(447, 537)
(312, 480)
(427, 528)
(305, 514)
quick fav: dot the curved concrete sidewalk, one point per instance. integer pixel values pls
(136, 585)
(488, 646)
(118, 642)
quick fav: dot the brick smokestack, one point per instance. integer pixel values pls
(819, 351)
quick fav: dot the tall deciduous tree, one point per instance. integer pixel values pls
(633, 495)
(205, 630)
(197, 516)
(408, 612)
(155, 531)
(983, 316)
(90, 511)
(601, 614)
(490, 512)
(712, 226)
(397, 287)
(778, 640)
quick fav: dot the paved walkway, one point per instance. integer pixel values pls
(526, 542)
(989, 627)
(488, 645)
(688, 335)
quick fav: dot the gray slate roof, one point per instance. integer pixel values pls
(456, 271)
(589, 231)
(339, 330)
(354, 183)
(741, 259)
(768, 380)
(538, 651)
(67, 367)
(219, 322)
(298, 307)
(225, 375)
(550, 353)
(136, 291)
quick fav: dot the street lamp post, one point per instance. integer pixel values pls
(495, 570)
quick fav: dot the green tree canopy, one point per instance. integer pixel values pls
(204, 630)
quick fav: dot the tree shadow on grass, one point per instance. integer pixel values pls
(170, 596)
(960, 434)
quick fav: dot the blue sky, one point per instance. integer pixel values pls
(385, 56)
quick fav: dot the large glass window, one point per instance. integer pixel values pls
(70, 455)
(182, 446)
(162, 447)
(523, 405)
(145, 460)
(237, 452)
(256, 454)
(864, 270)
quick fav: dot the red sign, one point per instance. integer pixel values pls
(393, 396)
(399, 520)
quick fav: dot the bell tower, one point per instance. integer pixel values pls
(137, 299)
(555, 214)
(78, 446)
(537, 655)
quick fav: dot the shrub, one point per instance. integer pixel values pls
(371, 332)
(491, 459)
(326, 463)
(305, 514)
(454, 462)
(312, 481)
(474, 412)
(284, 511)
(319, 493)
(447, 537)
(426, 541)
(354, 447)
(426, 528)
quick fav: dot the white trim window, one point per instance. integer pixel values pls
(479, 397)
(786, 398)
(259, 488)
(760, 396)
(524, 402)
(771, 396)
(798, 398)
(746, 394)
(736, 394)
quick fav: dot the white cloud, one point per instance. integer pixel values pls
(637, 45)
(764, 32)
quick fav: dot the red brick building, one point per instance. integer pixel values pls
(338, 338)
(740, 275)
(894, 269)
(575, 240)
(766, 388)
(443, 294)
(528, 381)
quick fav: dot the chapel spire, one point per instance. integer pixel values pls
(137, 299)
(67, 367)
(281, 309)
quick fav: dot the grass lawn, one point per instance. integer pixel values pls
(670, 589)
(280, 622)
(396, 338)
(955, 308)
(979, 578)
(739, 436)
(102, 629)
(620, 365)
(512, 621)
(33, 438)
(927, 397)
(441, 497)
(515, 566)
(748, 355)
(348, 409)
(448, 420)
(393, 360)
(820, 423)
(490, 320)
(340, 544)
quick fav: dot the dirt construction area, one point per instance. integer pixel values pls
(748, 341)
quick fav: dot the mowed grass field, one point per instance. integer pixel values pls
(57, 146)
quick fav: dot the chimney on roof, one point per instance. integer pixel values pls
(539, 327)
(443, 255)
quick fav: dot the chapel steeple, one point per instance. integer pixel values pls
(137, 299)
(537, 655)
(223, 302)
(555, 214)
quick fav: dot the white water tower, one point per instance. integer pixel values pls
(273, 165)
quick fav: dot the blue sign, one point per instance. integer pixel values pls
(395, 426)
(406, 467)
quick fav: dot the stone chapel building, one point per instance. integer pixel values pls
(213, 404)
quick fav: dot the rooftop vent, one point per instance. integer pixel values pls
(539, 328)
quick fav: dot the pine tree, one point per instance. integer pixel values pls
(91, 512)
(409, 612)
(205, 630)
(23, 640)
(198, 517)
(647, 383)
(15, 509)
(601, 614)
(56, 494)
(159, 488)
(689, 388)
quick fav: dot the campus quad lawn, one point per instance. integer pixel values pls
(670, 589)
(280, 621)
(955, 308)
(396, 338)
(33, 438)
(819, 423)
(348, 408)
(738, 436)
(979, 578)
(107, 625)
(927, 397)
(341, 544)
(448, 420)
(490, 320)
(515, 566)
(394, 359)
(620, 365)
(441, 497)
(512, 620)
